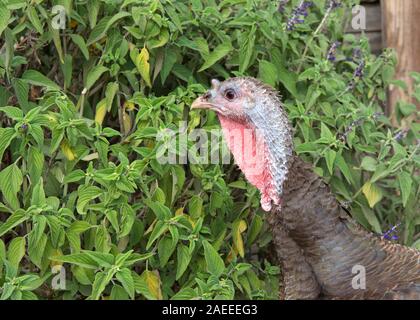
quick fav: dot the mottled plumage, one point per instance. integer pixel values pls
(330, 244)
(324, 253)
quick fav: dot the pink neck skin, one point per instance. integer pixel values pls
(251, 155)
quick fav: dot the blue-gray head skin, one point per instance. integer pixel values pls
(247, 103)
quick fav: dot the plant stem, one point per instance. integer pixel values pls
(320, 26)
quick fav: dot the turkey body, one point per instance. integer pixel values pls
(326, 255)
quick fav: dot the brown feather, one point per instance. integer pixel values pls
(318, 242)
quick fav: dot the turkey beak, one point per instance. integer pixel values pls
(203, 102)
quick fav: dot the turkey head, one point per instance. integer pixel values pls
(256, 130)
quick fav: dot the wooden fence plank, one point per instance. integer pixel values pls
(401, 30)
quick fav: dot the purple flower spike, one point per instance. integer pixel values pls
(358, 73)
(334, 4)
(297, 14)
(331, 56)
(400, 135)
(389, 235)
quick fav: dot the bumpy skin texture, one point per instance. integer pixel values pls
(318, 244)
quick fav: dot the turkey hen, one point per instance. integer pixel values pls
(324, 253)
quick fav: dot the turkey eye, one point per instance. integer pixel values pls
(230, 94)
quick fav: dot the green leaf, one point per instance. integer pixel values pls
(218, 53)
(326, 133)
(57, 235)
(102, 239)
(35, 163)
(369, 164)
(86, 194)
(267, 72)
(344, 168)
(112, 217)
(158, 230)
(93, 7)
(5, 15)
(185, 294)
(101, 281)
(380, 172)
(38, 79)
(7, 291)
(160, 41)
(110, 92)
(99, 30)
(36, 251)
(136, 257)
(6, 136)
(372, 219)
(150, 285)
(38, 228)
(67, 68)
(247, 50)
(38, 134)
(215, 264)
(254, 229)
(102, 27)
(55, 33)
(161, 211)
(118, 293)
(80, 42)
(16, 251)
(12, 112)
(406, 181)
(407, 108)
(23, 295)
(166, 247)
(74, 176)
(309, 73)
(127, 220)
(124, 276)
(195, 207)
(183, 260)
(38, 194)
(80, 259)
(329, 159)
(9, 46)
(2, 253)
(238, 227)
(21, 88)
(34, 18)
(168, 63)
(372, 193)
(141, 61)
(57, 138)
(93, 75)
(31, 282)
(10, 182)
(388, 72)
(79, 226)
(286, 77)
(15, 219)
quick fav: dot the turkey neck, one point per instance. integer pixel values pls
(309, 212)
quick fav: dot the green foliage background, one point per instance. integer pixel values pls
(81, 190)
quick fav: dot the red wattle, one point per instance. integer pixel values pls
(251, 155)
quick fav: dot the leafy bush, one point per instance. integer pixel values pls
(83, 194)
